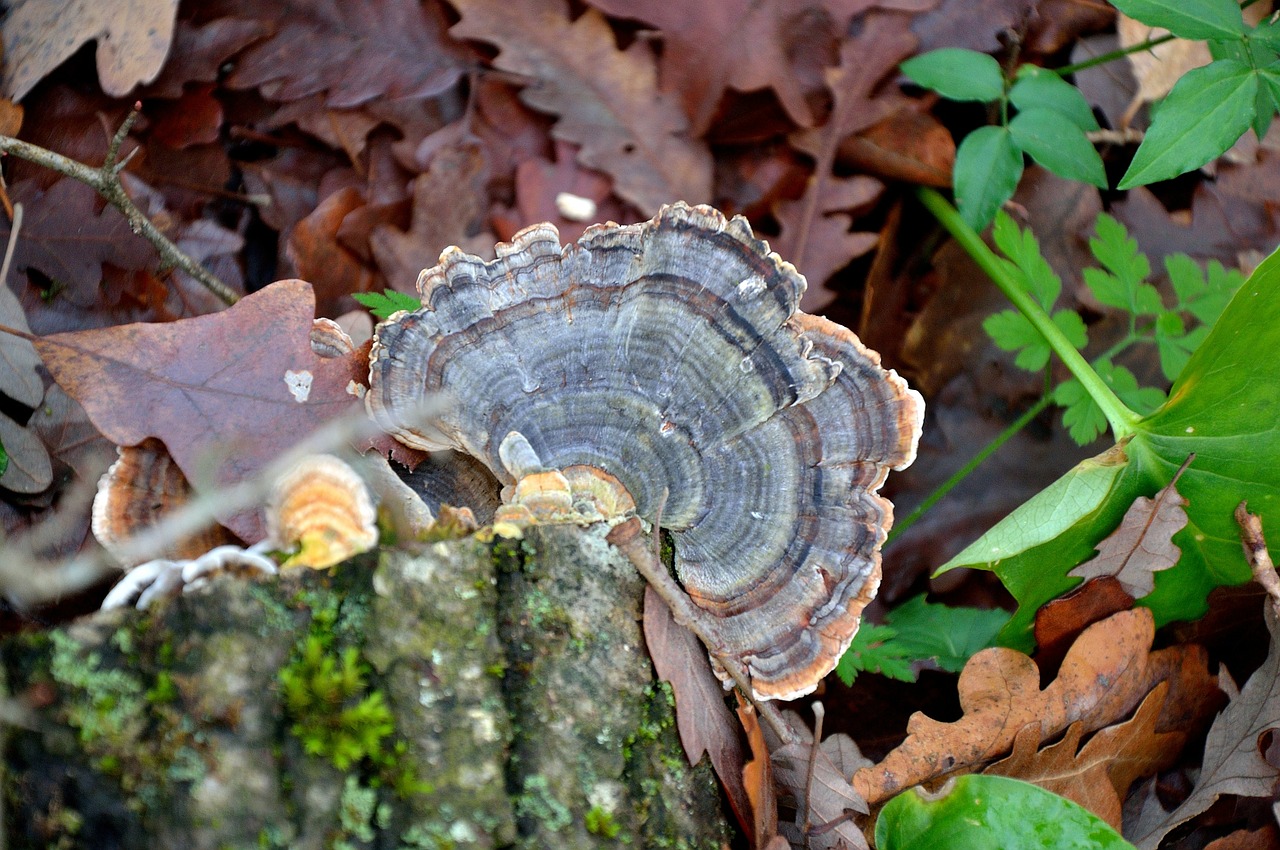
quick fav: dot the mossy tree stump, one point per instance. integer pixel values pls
(468, 695)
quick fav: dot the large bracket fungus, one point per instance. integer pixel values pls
(670, 359)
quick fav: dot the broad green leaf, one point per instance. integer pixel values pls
(1225, 408)
(385, 303)
(987, 169)
(1046, 515)
(1205, 113)
(1193, 19)
(1036, 87)
(980, 812)
(1055, 142)
(957, 74)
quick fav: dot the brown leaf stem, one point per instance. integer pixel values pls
(106, 182)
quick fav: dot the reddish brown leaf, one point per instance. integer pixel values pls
(1142, 544)
(200, 50)
(213, 389)
(133, 39)
(318, 257)
(757, 777)
(450, 205)
(1099, 775)
(67, 238)
(815, 233)
(193, 119)
(1061, 620)
(352, 53)
(1263, 838)
(739, 43)
(909, 146)
(539, 182)
(607, 99)
(704, 722)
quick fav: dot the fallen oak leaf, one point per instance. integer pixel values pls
(226, 393)
(1097, 776)
(133, 40)
(704, 722)
(607, 99)
(829, 798)
(1103, 677)
(1232, 761)
(67, 237)
(1143, 542)
(354, 54)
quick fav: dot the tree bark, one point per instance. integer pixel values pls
(467, 695)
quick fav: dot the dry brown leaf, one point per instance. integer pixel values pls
(29, 469)
(67, 237)
(1232, 761)
(815, 231)
(538, 183)
(449, 208)
(607, 99)
(829, 799)
(215, 389)
(1262, 838)
(704, 722)
(757, 778)
(133, 40)
(741, 44)
(1099, 775)
(1102, 678)
(317, 255)
(1059, 621)
(353, 53)
(1142, 544)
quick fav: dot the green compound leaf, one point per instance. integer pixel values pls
(945, 635)
(1012, 331)
(1023, 250)
(383, 304)
(1056, 142)
(917, 631)
(1126, 268)
(980, 812)
(1193, 19)
(1205, 113)
(1224, 407)
(957, 74)
(987, 170)
(1037, 88)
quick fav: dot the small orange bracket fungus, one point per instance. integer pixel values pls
(321, 508)
(666, 366)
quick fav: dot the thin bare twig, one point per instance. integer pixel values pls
(106, 182)
(1255, 552)
(629, 540)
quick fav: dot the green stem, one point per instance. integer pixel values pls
(1113, 55)
(963, 472)
(1119, 417)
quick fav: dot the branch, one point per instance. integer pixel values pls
(106, 182)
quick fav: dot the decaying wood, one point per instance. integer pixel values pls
(515, 673)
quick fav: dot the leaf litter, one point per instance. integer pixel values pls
(349, 152)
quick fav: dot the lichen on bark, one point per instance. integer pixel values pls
(521, 702)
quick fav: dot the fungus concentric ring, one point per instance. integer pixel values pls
(672, 356)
